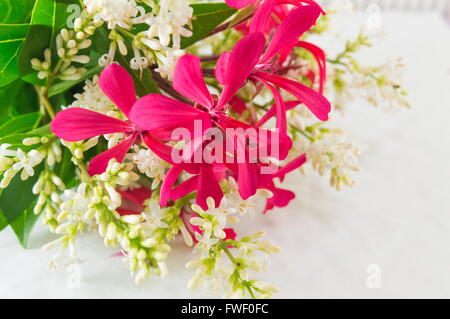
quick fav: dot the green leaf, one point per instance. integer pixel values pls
(14, 11)
(15, 140)
(66, 85)
(38, 38)
(19, 124)
(18, 196)
(23, 225)
(17, 98)
(66, 169)
(3, 221)
(12, 37)
(208, 16)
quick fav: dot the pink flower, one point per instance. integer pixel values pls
(77, 124)
(157, 112)
(133, 201)
(247, 57)
(239, 4)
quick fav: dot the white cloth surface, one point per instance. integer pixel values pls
(397, 215)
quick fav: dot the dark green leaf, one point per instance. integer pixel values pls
(24, 224)
(3, 221)
(17, 98)
(11, 40)
(15, 11)
(18, 196)
(16, 139)
(65, 169)
(20, 124)
(38, 38)
(207, 17)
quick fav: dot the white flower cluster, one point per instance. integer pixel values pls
(113, 12)
(15, 161)
(148, 163)
(330, 150)
(68, 45)
(159, 44)
(218, 266)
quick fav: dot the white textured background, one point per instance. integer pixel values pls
(397, 215)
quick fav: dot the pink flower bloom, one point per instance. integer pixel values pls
(157, 112)
(77, 124)
(260, 66)
(133, 201)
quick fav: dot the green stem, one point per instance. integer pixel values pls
(45, 102)
(245, 283)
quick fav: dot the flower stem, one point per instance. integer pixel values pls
(44, 101)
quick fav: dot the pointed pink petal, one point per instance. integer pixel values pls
(163, 151)
(247, 180)
(185, 188)
(188, 80)
(137, 195)
(320, 57)
(222, 67)
(243, 58)
(261, 15)
(280, 109)
(239, 4)
(230, 234)
(77, 124)
(281, 197)
(299, 3)
(265, 140)
(237, 105)
(273, 110)
(155, 111)
(99, 163)
(208, 186)
(292, 165)
(315, 102)
(297, 22)
(118, 86)
(169, 180)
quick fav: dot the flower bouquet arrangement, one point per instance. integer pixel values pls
(147, 121)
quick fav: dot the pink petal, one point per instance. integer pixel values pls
(267, 141)
(243, 59)
(77, 124)
(222, 67)
(292, 165)
(281, 197)
(239, 4)
(163, 151)
(230, 234)
(118, 86)
(185, 188)
(99, 163)
(280, 109)
(154, 111)
(237, 105)
(208, 186)
(320, 57)
(169, 180)
(188, 80)
(299, 3)
(247, 180)
(261, 15)
(273, 109)
(315, 102)
(297, 22)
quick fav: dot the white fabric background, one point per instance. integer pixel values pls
(397, 216)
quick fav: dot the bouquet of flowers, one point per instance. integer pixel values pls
(149, 120)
